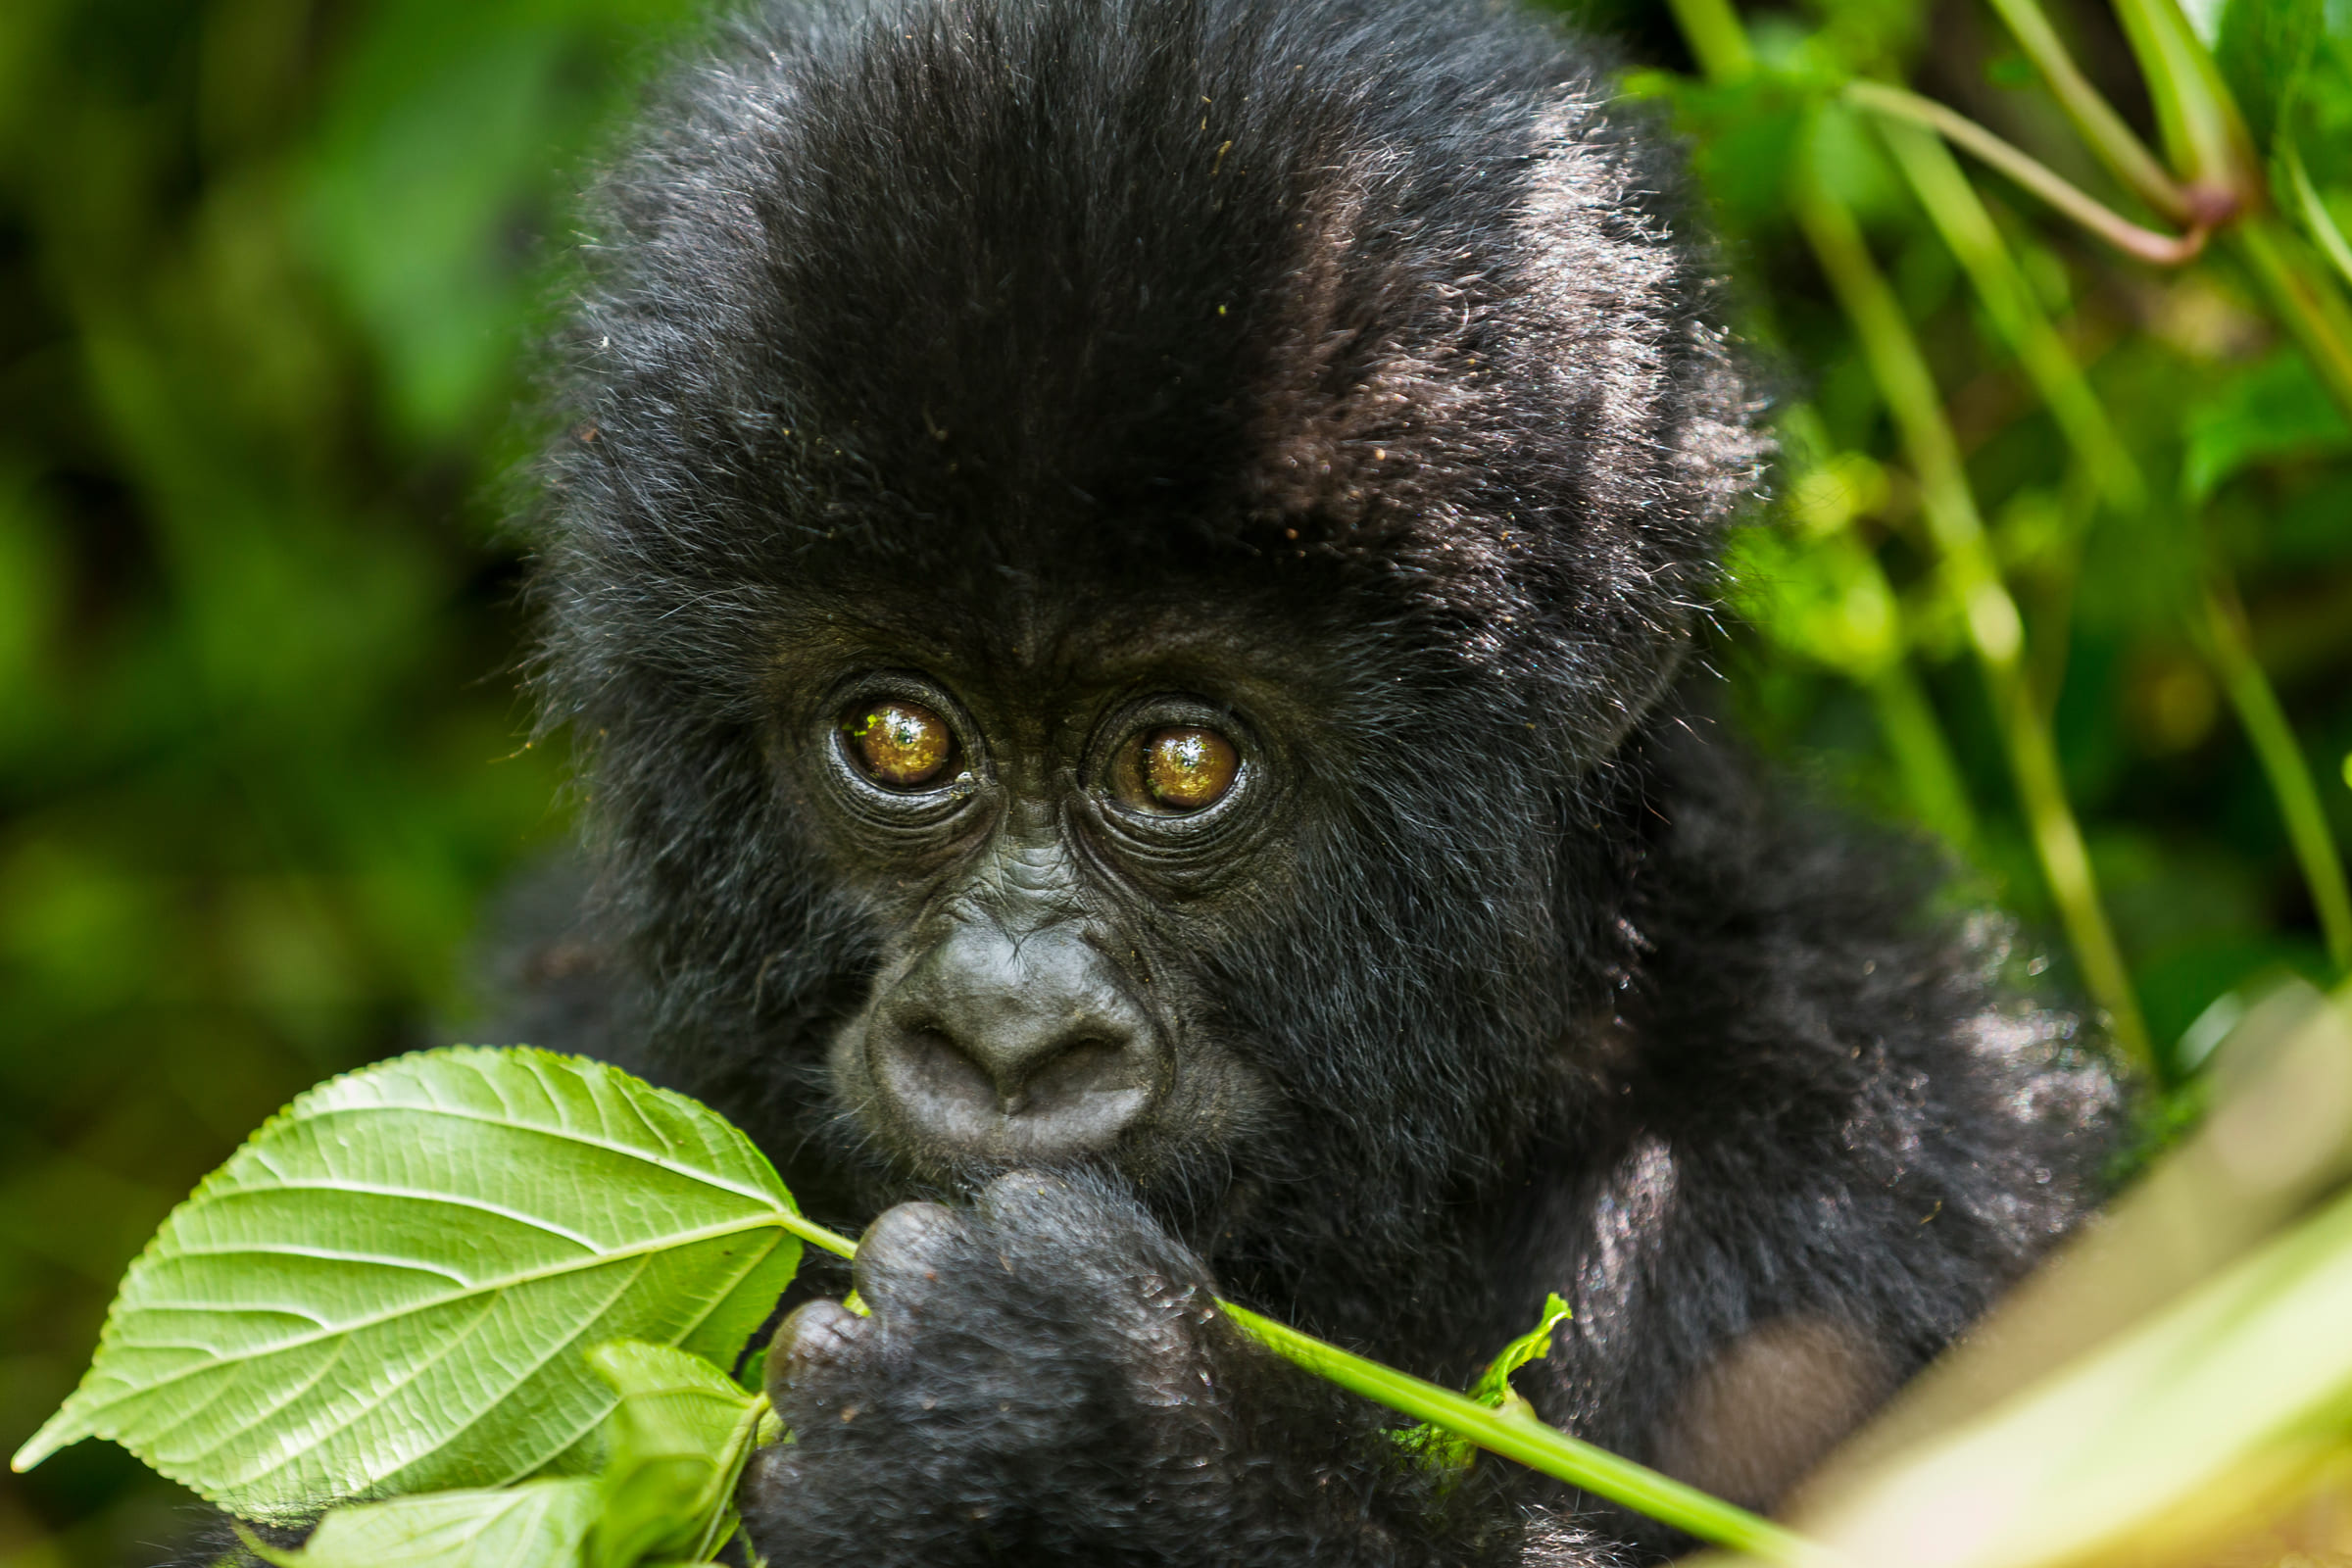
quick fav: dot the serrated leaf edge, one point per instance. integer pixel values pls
(73, 1420)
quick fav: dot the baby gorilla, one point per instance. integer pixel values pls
(1124, 570)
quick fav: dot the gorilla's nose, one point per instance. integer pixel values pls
(1010, 1047)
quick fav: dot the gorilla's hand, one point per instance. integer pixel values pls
(1046, 1377)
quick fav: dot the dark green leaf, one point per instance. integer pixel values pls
(2276, 408)
(2264, 47)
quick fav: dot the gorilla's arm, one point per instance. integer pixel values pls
(1833, 1137)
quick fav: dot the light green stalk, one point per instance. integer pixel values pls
(2199, 121)
(2230, 647)
(2303, 297)
(2122, 152)
(1959, 215)
(1922, 757)
(1530, 1442)
(1901, 104)
(1968, 231)
(2317, 219)
(1542, 1448)
(2207, 136)
(1995, 630)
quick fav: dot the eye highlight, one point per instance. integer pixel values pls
(899, 745)
(1177, 769)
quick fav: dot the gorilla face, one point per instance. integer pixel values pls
(1049, 821)
(1111, 634)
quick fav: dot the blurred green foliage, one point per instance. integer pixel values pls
(266, 270)
(2233, 489)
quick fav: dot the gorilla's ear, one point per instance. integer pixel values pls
(1617, 323)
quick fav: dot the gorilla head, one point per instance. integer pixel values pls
(1108, 562)
(1124, 569)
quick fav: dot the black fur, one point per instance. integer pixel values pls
(1365, 346)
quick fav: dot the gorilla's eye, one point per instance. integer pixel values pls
(1178, 768)
(899, 745)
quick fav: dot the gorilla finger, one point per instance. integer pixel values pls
(903, 1254)
(1018, 1198)
(817, 1335)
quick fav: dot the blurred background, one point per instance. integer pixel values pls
(267, 271)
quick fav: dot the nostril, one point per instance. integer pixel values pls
(1063, 1081)
(948, 1067)
(1014, 1083)
(1044, 1102)
(1007, 1050)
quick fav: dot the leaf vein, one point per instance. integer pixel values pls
(421, 1195)
(662, 1244)
(326, 1255)
(569, 1134)
(447, 1348)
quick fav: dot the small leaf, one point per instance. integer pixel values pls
(2275, 409)
(1493, 1385)
(678, 1440)
(1825, 598)
(1450, 1450)
(385, 1289)
(537, 1525)
(2264, 47)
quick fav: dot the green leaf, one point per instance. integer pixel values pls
(1825, 598)
(678, 1440)
(386, 1289)
(2264, 47)
(539, 1525)
(2277, 408)
(1493, 1385)
(1434, 1444)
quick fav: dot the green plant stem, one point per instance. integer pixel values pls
(2231, 651)
(1922, 756)
(808, 1230)
(2302, 297)
(1969, 230)
(1905, 106)
(1719, 42)
(2317, 219)
(1717, 37)
(1975, 241)
(1994, 628)
(739, 1454)
(2197, 118)
(2122, 152)
(1542, 1448)
(1530, 1442)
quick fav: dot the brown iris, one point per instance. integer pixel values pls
(1181, 768)
(900, 745)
